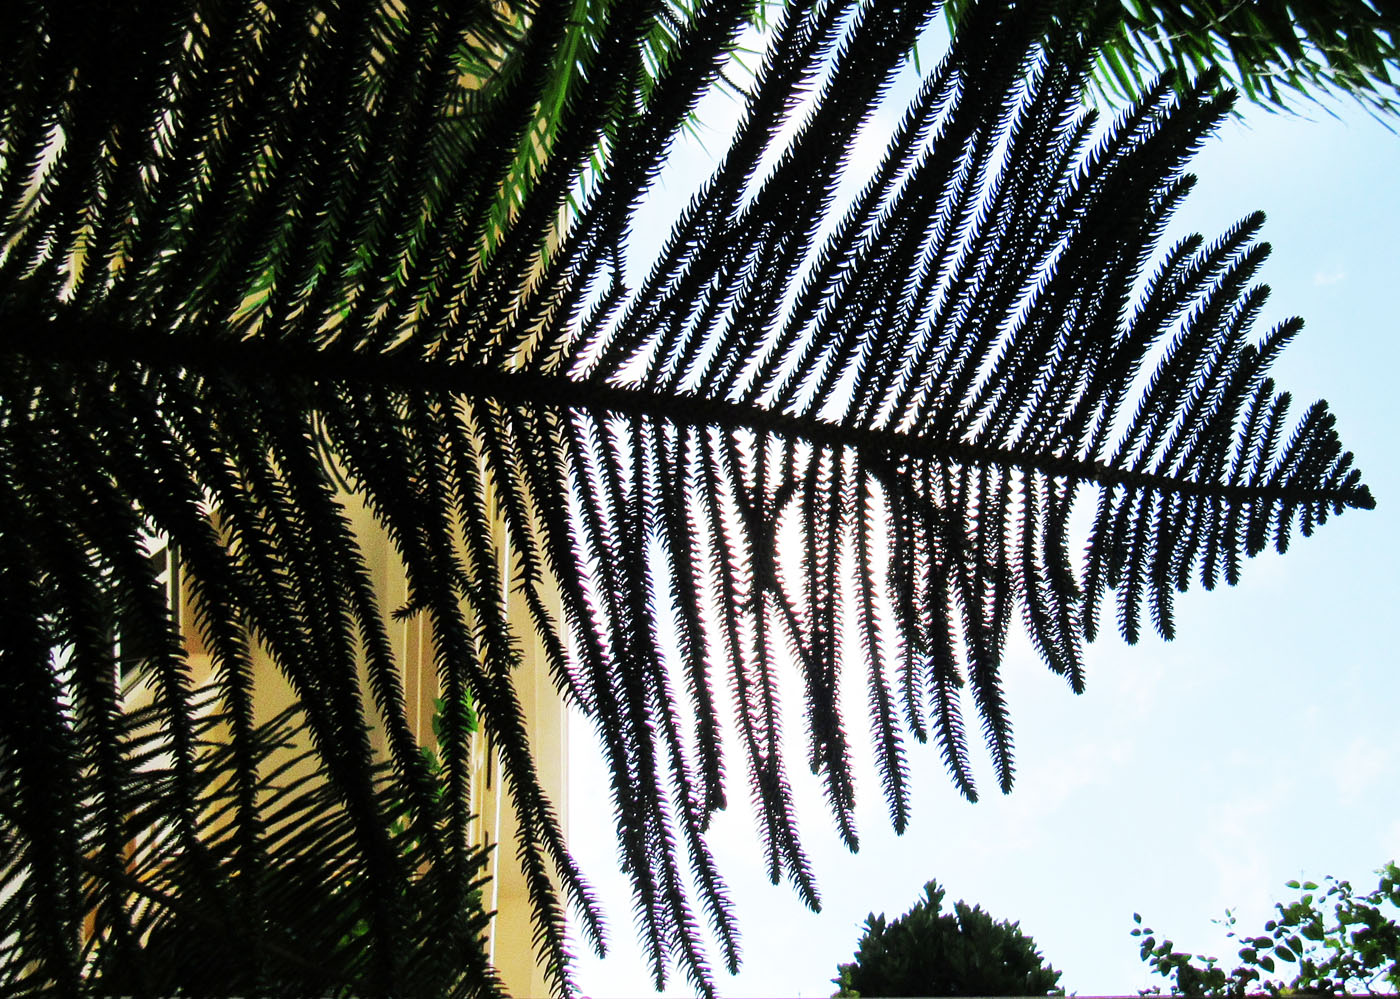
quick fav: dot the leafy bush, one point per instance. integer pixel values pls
(1355, 951)
(962, 953)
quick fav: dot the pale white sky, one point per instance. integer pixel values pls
(1192, 776)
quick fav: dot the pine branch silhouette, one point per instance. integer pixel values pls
(242, 239)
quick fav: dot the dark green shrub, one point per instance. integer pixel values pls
(962, 953)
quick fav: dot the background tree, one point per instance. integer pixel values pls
(926, 952)
(1348, 951)
(239, 236)
(1269, 49)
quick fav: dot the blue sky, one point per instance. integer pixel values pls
(1194, 775)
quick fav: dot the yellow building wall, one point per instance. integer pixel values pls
(511, 945)
(511, 940)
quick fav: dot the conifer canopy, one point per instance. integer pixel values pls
(254, 251)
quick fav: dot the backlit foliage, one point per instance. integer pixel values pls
(242, 236)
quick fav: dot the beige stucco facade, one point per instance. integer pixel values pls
(511, 946)
(512, 950)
